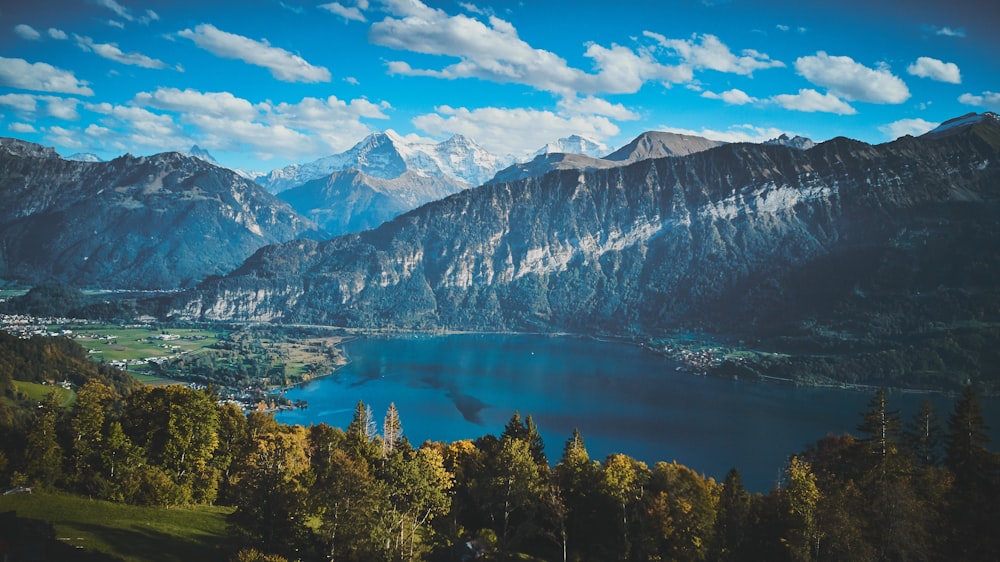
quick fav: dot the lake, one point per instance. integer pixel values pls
(621, 397)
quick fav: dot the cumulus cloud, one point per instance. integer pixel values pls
(731, 97)
(516, 131)
(283, 65)
(21, 128)
(988, 100)
(40, 76)
(597, 106)
(848, 79)
(810, 100)
(28, 105)
(25, 31)
(915, 127)
(926, 67)
(708, 52)
(111, 51)
(310, 128)
(349, 13)
(57, 34)
(493, 51)
(736, 133)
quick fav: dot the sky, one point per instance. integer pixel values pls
(264, 83)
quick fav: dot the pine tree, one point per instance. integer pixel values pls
(392, 431)
(923, 436)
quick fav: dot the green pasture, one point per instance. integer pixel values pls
(112, 343)
(39, 392)
(132, 533)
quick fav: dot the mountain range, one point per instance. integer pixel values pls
(755, 240)
(156, 222)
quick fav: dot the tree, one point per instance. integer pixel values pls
(579, 483)
(623, 480)
(92, 405)
(516, 492)
(392, 431)
(270, 489)
(418, 487)
(923, 436)
(971, 505)
(43, 456)
(733, 517)
(361, 433)
(680, 513)
(800, 497)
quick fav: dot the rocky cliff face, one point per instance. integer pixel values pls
(740, 238)
(160, 222)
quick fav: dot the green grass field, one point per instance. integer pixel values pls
(38, 392)
(113, 343)
(132, 533)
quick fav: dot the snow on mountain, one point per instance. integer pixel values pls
(574, 144)
(84, 157)
(801, 143)
(386, 155)
(952, 126)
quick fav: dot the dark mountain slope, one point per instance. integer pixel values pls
(748, 240)
(157, 222)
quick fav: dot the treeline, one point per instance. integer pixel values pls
(920, 490)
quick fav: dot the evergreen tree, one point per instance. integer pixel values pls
(733, 517)
(923, 436)
(392, 431)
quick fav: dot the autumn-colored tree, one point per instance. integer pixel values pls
(623, 480)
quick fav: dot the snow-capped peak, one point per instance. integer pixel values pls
(388, 155)
(84, 157)
(952, 125)
(574, 144)
(202, 154)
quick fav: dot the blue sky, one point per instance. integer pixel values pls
(264, 83)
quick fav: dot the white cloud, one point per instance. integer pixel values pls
(782, 27)
(349, 13)
(126, 13)
(989, 100)
(63, 137)
(284, 66)
(731, 97)
(736, 133)
(116, 23)
(810, 100)
(310, 128)
(57, 34)
(222, 104)
(493, 51)
(27, 103)
(915, 127)
(707, 51)
(597, 106)
(352, 80)
(21, 128)
(62, 108)
(947, 31)
(516, 131)
(25, 31)
(111, 51)
(851, 80)
(926, 67)
(40, 76)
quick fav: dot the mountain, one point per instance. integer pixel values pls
(648, 145)
(548, 162)
(800, 143)
(199, 152)
(85, 157)
(351, 201)
(869, 251)
(657, 144)
(574, 144)
(457, 163)
(157, 222)
(959, 124)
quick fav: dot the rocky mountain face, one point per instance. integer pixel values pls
(657, 144)
(653, 144)
(741, 239)
(352, 201)
(799, 142)
(159, 222)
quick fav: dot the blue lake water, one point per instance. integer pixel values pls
(621, 397)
